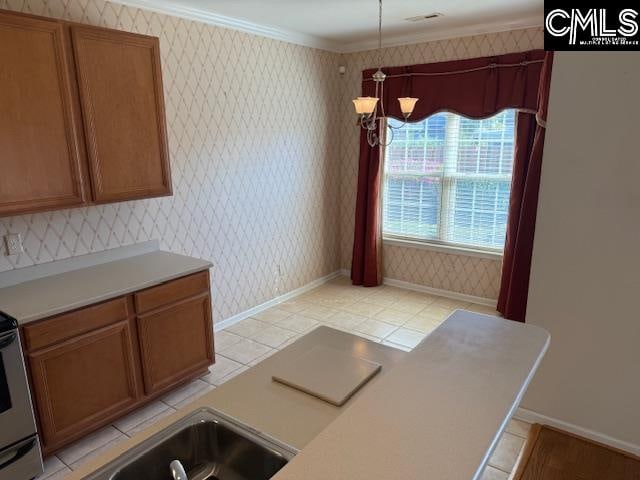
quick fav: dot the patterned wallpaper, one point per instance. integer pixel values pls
(464, 274)
(264, 151)
(251, 124)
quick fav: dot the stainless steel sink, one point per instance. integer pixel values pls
(209, 446)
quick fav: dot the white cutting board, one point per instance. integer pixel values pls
(327, 373)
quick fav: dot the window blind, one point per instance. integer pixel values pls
(447, 179)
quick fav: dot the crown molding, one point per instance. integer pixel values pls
(175, 9)
(454, 32)
(181, 11)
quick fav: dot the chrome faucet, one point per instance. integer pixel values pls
(177, 470)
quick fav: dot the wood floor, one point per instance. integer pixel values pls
(551, 454)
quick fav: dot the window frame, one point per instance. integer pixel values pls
(447, 182)
(441, 247)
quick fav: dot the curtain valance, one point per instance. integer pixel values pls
(476, 88)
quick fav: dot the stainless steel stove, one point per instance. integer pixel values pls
(20, 456)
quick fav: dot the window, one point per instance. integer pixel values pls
(447, 180)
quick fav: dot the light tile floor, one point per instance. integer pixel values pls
(392, 316)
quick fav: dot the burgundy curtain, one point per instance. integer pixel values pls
(366, 265)
(523, 206)
(476, 88)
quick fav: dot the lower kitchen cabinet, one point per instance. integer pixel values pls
(93, 365)
(175, 342)
(83, 382)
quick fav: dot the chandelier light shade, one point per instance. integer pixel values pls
(407, 104)
(365, 105)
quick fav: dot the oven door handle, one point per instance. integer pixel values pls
(7, 340)
(18, 452)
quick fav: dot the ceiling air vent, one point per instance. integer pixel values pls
(421, 18)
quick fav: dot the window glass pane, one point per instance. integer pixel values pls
(417, 147)
(412, 206)
(447, 178)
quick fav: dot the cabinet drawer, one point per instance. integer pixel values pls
(60, 328)
(172, 291)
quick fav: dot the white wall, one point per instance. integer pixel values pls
(585, 286)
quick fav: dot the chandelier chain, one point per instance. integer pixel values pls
(380, 33)
(367, 107)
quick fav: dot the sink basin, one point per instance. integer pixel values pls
(209, 446)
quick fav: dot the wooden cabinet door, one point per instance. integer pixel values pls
(41, 154)
(83, 381)
(176, 341)
(120, 85)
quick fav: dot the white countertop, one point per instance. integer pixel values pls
(54, 294)
(438, 414)
(254, 399)
(433, 414)
(288, 414)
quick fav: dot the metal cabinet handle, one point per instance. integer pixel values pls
(19, 452)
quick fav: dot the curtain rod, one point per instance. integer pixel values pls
(455, 72)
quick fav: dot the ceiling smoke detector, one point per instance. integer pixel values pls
(421, 18)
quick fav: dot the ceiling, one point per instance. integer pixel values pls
(350, 25)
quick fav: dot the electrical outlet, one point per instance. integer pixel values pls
(278, 274)
(13, 243)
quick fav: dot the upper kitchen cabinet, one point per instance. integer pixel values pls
(82, 116)
(120, 83)
(41, 151)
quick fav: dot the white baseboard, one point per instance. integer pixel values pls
(227, 322)
(437, 291)
(434, 291)
(530, 416)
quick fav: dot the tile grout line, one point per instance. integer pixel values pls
(121, 431)
(349, 330)
(64, 465)
(63, 462)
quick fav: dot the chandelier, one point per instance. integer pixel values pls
(367, 107)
